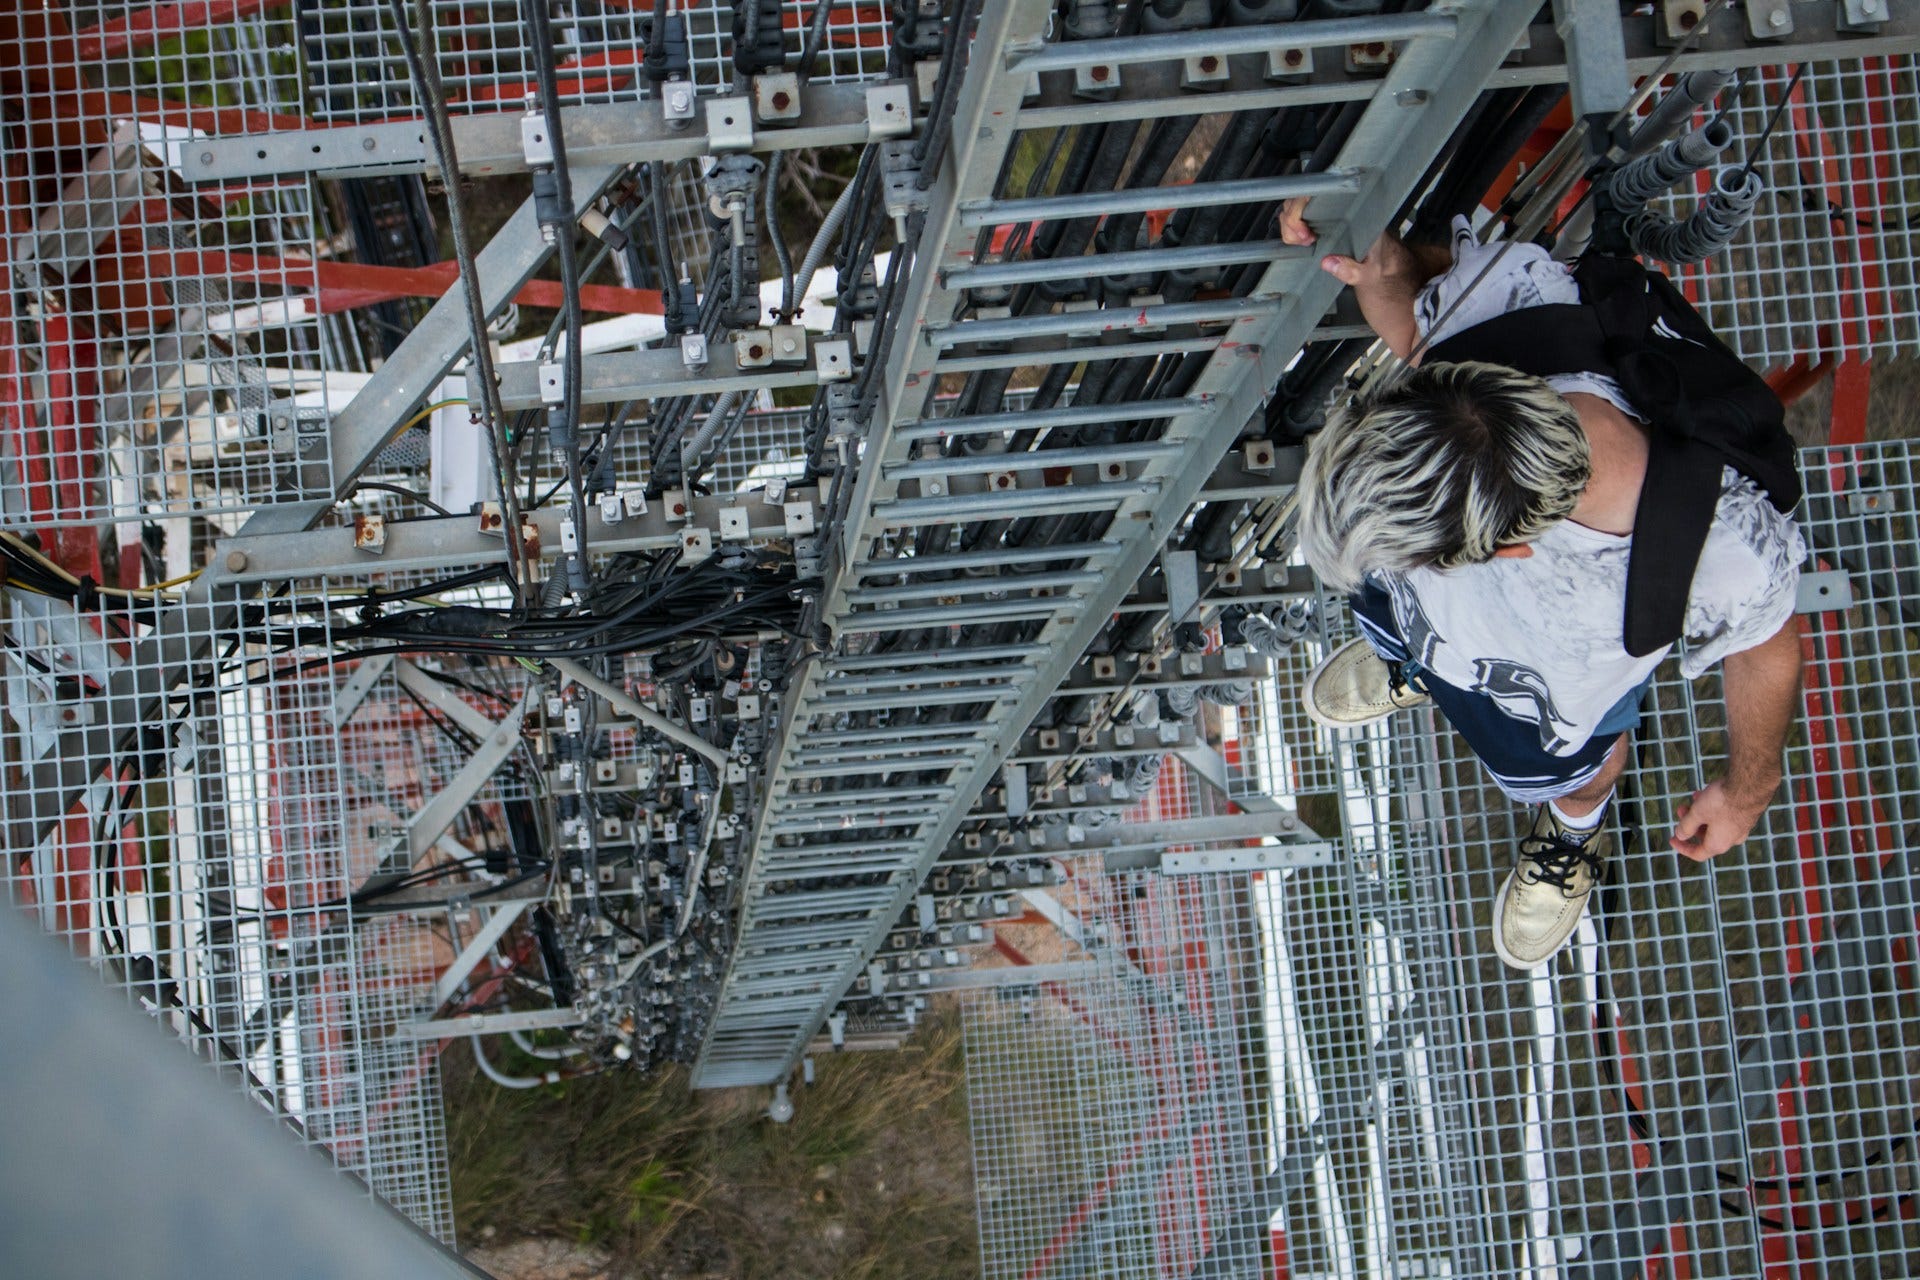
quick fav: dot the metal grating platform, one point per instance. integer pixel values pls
(1327, 1070)
(1831, 262)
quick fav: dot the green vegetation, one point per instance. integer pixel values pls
(872, 1177)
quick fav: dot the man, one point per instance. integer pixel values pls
(1482, 520)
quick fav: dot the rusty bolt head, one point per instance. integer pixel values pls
(756, 352)
(1295, 57)
(782, 100)
(679, 508)
(1099, 74)
(1209, 64)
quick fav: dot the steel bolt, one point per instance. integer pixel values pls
(236, 561)
(206, 157)
(1778, 18)
(367, 144)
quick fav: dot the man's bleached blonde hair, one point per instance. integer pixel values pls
(1440, 470)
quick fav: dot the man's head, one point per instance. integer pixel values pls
(1443, 469)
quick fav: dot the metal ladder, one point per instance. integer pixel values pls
(804, 934)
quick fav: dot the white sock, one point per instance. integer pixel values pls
(1586, 822)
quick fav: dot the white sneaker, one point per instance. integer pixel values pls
(1544, 897)
(1356, 687)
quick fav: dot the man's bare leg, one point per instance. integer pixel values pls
(1591, 795)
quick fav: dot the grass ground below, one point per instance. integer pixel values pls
(632, 1177)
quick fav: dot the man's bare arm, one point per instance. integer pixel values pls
(1763, 692)
(1384, 283)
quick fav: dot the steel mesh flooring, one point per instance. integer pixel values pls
(1328, 1069)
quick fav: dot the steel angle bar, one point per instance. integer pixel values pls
(920, 657)
(882, 765)
(1094, 321)
(974, 587)
(1011, 504)
(450, 704)
(832, 848)
(943, 734)
(433, 819)
(1148, 97)
(477, 949)
(1328, 33)
(804, 904)
(359, 683)
(895, 794)
(993, 213)
(1724, 45)
(862, 624)
(610, 134)
(1596, 62)
(1186, 257)
(1047, 419)
(925, 697)
(488, 1024)
(619, 376)
(864, 681)
(904, 566)
(984, 464)
(210, 605)
(1038, 355)
(457, 542)
(846, 757)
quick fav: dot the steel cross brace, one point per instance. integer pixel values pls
(612, 134)
(756, 1037)
(135, 696)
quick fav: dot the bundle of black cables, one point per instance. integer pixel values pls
(627, 609)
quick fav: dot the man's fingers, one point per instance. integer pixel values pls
(1293, 222)
(1344, 269)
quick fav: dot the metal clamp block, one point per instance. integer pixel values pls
(677, 103)
(536, 140)
(776, 96)
(890, 109)
(798, 517)
(753, 349)
(370, 534)
(833, 360)
(1678, 18)
(553, 382)
(1101, 80)
(693, 350)
(1862, 15)
(696, 545)
(1208, 71)
(789, 344)
(1289, 64)
(729, 124)
(1769, 19)
(734, 525)
(1258, 456)
(926, 79)
(1373, 55)
(900, 179)
(1823, 592)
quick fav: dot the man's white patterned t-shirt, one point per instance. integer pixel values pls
(1543, 635)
